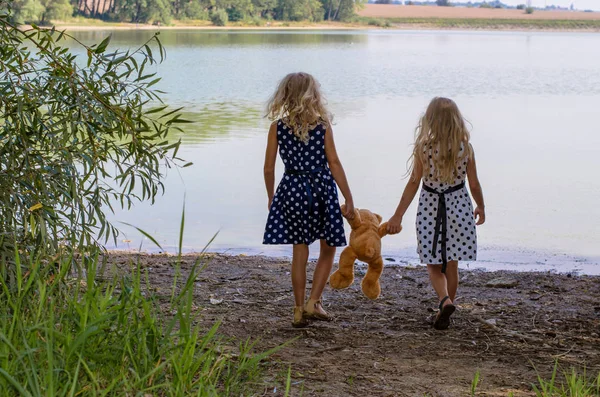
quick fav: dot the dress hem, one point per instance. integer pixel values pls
(303, 243)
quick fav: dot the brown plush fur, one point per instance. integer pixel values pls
(365, 245)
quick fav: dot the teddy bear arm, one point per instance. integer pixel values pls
(383, 229)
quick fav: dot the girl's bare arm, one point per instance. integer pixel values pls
(337, 170)
(476, 190)
(270, 159)
(412, 186)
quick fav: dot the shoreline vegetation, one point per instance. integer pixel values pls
(362, 23)
(367, 16)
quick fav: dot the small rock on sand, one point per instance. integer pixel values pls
(502, 282)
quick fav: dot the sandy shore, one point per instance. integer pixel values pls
(509, 326)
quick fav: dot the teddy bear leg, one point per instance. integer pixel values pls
(370, 283)
(344, 276)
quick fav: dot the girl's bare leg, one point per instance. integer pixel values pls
(322, 272)
(439, 282)
(299, 260)
(452, 279)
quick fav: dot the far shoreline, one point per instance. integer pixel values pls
(390, 25)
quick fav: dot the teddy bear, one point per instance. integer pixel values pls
(365, 245)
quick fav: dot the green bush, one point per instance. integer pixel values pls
(194, 10)
(521, 7)
(76, 139)
(219, 17)
(529, 10)
(234, 15)
(254, 21)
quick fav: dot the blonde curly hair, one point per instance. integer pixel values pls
(298, 102)
(442, 134)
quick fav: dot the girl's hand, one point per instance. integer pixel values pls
(270, 203)
(479, 214)
(394, 225)
(349, 214)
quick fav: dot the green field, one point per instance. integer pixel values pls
(483, 23)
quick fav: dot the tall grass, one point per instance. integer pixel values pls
(572, 384)
(65, 336)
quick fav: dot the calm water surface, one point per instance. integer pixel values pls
(532, 99)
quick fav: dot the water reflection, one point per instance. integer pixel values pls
(216, 121)
(186, 38)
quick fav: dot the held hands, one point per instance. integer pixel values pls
(394, 225)
(349, 213)
(479, 215)
(270, 203)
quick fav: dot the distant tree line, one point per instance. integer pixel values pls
(163, 11)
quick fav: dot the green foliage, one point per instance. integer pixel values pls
(573, 384)
(57, 10)
(379, 22)
(529, 10)
(77, 137)
(521, 7)
(299, 10)
(194, 10)
(264, 8)
(254, 21)
(26, 11)
(219, 17)
(475, 383)
(485, 5)
(341, 10)
(442, 3)
(144, 11)
(147, 11)
(62, 336)
(234, 15)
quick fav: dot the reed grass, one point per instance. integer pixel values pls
(66, 335)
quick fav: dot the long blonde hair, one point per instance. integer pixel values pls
(298, 102)
(442, 134)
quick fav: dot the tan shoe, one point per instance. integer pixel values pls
(299, 320)
(314, 311)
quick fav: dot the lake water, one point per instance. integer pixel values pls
(533, 100)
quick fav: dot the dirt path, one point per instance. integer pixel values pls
(385, 347)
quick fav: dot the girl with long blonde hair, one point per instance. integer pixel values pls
(443, 159)
(305, 207)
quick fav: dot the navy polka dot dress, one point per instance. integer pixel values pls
(306, 206)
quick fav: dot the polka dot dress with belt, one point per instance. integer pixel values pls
(456, 211)
(305, 207)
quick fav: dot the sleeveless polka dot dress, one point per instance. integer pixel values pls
(456, 214)
(305, 207)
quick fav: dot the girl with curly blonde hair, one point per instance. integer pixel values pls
(305, 207)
